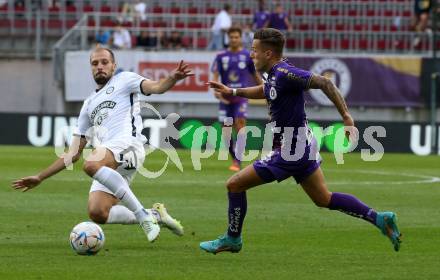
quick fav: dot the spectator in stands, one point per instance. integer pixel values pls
(133, 12)
(121, 37)
(421, 17)
(103, 37)
(147, 40)
(174, 41)
(261, 17)
(279, 19)
(221, 25)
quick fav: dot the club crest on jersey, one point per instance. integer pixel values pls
(110, 90)
(242, 65)
(273, 93)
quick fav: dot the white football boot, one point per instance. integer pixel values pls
(167, 221)
(150, 226)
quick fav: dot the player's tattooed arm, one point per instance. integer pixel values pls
(158, 87)
(331, 91)
(256, 92)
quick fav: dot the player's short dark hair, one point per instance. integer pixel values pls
(227, 7)
(271, 38)
(234, 29)
(99, 48)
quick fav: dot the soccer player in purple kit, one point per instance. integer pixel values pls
(261, 17)
(234, 68)
(284, 87)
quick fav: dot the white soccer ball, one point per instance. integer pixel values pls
(87, 238)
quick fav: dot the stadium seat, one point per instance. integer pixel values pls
(210, 11)
(193, 10)
(5, 23)
(54, 9)
(195, 25)
(70, 23)
(175, 10)
(54, 23)
(71, 9)
(19, 9)
(159, 24)
(157, 10)
(344, 44)
(179, 24)
(4, 7)
(298, 12)
(326, 43)
(246, 11)
(88, 8)
(308, 43)
(291, 43)
(202, 43)
(105, 9)
(20, 23)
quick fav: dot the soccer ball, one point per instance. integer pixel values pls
(87, 238)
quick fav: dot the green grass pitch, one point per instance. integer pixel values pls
(285, 235)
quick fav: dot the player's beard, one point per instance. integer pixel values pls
(101, 79)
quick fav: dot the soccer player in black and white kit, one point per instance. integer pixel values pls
(111, 117)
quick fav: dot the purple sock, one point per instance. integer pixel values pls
(350, 205)
(236, 212)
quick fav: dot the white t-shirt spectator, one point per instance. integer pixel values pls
(222, 21)
(122, 39)
(140, 9)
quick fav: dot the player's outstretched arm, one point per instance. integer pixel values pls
(249, 92)
(158, 87)
(332, 92)
(74, 153)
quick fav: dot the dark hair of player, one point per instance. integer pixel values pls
(234, 29)
(271, 38)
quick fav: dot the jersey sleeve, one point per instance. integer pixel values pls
(83, 122)
(297, 78)
(133, 82)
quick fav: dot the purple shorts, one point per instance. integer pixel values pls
(274, 167)
(232, 110)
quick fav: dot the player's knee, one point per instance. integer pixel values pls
(322, 201)
(98, 215)
(90, 167)
(232, 185)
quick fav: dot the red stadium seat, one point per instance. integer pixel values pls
(344, 44)
(19, 9)
(358, 27)
(210, 10)
(407, 13)
(291, 43)
(175, 10)
(186, 41)
(246, 11)
(340, 27)
(382, 44)
(144, 24)
(70, 23)
(193, 10)
(91, 23)
(4, 7)
(202, 43)
(304, 26)
(363, 44)
(20, 23)
(352, 13)
(371, 13)
(54, 9)
(195, 25)
(87, 8)
(388, 13)
(321, 27)
(326, 43)
(376, 27)
(308, 43)
(54, 23)
(159, 24)
(334, 12)
(317, 12)
(71, 9)
(107, 23)
(298, 12)
(179, 24)
(105, 9)
(157, 10)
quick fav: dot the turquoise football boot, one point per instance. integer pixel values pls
(222, 244)
(387, 223)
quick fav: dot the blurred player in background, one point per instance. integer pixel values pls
(110, 118)
(234, 68)
(283, 88)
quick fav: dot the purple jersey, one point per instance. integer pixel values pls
(277, 21)
(236, 70)
(284, 87)
(260, 19)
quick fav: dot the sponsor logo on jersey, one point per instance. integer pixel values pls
(106, 104)
(110, 90)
